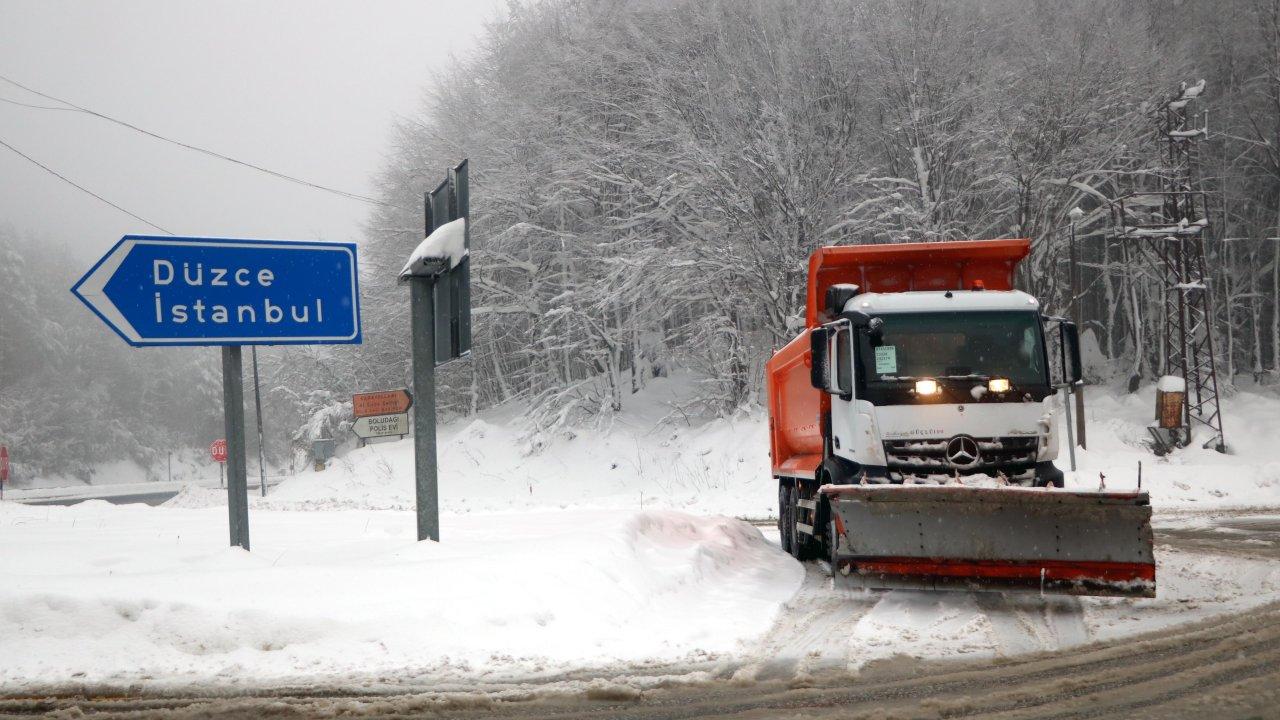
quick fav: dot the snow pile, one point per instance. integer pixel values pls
(119, 594)
(194, 497)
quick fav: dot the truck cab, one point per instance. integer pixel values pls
(937, 385)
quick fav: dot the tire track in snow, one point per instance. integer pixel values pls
(811, 631)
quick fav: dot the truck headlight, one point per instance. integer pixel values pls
(927, 386)
(998, 385)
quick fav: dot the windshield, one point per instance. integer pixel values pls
(956, 345)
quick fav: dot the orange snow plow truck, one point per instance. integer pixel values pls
(914, 428)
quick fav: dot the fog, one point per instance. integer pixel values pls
(306, 88)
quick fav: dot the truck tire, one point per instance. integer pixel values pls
(785, 526)
(802, 545)
(833, 545)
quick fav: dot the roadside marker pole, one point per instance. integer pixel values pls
(1076, 390)
(422, 315)
(233, 419)
(1071, 440)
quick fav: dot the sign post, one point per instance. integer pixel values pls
(233, 421)
(1078, 390)
(422, 315)
(439, 277)
(4, 468)
(173, 291)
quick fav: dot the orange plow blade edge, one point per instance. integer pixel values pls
(966, 538)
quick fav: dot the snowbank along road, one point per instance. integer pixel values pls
(1224, 667)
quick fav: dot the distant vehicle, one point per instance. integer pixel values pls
(913, 428)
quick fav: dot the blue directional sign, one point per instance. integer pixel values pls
(217, 291)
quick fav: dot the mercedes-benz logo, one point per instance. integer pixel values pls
(962, 451)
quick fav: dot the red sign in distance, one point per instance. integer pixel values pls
(4, 464)
(387, 402)
(219, 451)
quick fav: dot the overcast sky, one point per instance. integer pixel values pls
(307, 88)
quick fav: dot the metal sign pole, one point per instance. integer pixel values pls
(233, 418)
(422, 316)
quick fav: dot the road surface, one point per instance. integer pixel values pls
(1227, 667)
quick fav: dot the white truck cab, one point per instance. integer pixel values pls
(927, 386)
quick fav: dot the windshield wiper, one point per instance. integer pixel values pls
(911, 378)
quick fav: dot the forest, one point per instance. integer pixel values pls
(649, 178)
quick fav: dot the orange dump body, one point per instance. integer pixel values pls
(795, 407)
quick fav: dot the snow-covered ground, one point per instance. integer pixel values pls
(1190, 478)
(96, 592)
(614, 546)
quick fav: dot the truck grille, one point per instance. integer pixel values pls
(1013, 456)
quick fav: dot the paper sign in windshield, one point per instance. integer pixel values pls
(887, 359)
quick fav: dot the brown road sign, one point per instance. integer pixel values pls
(387, 402)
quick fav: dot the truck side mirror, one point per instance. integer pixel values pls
(819, 366)
(875, 328)
(872, 326)
(1072, 368)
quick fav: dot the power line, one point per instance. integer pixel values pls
(196, 148)
(79, 187)
(36, 107)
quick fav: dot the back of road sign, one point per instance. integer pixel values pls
(448, 202)
(217, 291)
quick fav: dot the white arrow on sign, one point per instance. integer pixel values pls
(381, 425)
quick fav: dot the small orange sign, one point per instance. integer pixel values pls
(387, 402)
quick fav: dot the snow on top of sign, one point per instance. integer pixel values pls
(447, 242)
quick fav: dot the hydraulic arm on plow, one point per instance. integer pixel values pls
(914, 425)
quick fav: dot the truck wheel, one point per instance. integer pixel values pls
(833, 545)
(785, 526)
(801, 544)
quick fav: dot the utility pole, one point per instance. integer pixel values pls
(1075, 215)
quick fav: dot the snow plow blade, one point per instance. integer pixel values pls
(965, 538)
